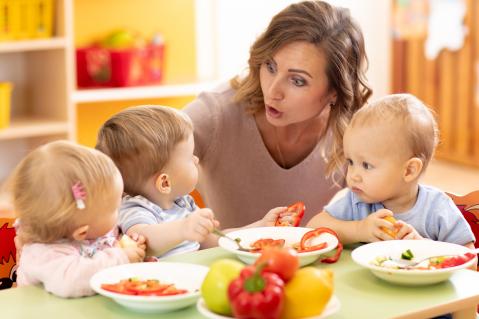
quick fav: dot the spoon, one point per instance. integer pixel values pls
(236, 240)
(405, 263)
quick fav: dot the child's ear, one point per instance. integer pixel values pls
(413, 169)
(163, 184)
(80, 233)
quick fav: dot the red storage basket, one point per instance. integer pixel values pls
(100, 67)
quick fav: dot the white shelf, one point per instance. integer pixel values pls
(33, 127)
(140, 92)
(33, 45)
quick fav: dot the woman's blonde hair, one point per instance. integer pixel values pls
(140, 141)
(333, 31)
(41, 188)
(416, 121)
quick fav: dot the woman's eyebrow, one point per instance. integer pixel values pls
(300, 71)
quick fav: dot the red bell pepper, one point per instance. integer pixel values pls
(292, 216)
(305, 247)
(256, 294)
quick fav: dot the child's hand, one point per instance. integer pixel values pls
(139, 239)
(135, 253)
(406, 231)
(270, 218)
(199, 224)
(369, 229)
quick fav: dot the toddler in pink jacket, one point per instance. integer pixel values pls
(66, 197)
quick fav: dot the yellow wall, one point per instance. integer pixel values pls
(175, 20)
(91, 116)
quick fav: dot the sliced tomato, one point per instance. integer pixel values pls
(292, 216)
(149, 287)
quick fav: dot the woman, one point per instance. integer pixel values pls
(274, 137)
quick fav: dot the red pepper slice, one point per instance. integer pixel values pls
(150, 287)
(262, 243)
(304, 246)
(292, 216)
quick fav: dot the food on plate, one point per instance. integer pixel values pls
(307, 293)
(305, 244)
(392, 233)
(292, 216)
(263, 243)
(214, 288)
(256, 293)
(429, 263)
(407, 255)
(127, 242)
(148, 287)
(260, 291)
(281, 261)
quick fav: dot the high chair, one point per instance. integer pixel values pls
(7, 251)
(469, 207)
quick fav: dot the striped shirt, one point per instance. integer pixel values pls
(139, 210)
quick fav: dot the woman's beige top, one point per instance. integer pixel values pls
(239, 180)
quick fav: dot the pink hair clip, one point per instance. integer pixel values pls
(79, 194)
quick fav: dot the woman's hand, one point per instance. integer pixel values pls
(199, 224)
(406, 231)
(369, 229)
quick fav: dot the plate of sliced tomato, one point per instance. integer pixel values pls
(151, 287)
(309, 243)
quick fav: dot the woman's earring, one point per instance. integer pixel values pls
(332, 104)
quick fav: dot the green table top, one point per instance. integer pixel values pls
(361, 294)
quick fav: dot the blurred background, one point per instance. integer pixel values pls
(68, 65)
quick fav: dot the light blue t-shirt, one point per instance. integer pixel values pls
(434, 215)
(139, 210)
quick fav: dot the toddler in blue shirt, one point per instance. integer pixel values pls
(387, 146)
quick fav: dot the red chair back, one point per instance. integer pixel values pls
(469, 207)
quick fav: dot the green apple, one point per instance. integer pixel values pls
(215, 286)
(120, 39)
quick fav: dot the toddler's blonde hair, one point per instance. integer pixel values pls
(140, 141)
(418, 126)
(41, 187)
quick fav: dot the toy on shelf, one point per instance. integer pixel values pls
(123, 58)
(5, 97)
(26, 19)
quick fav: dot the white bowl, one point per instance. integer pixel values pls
(365, 254)
(331, 308)
(183, 275)
(291, 235)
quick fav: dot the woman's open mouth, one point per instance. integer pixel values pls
(272, 112)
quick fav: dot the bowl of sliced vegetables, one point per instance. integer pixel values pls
(414, 262)
(151, 286)
(308, 242)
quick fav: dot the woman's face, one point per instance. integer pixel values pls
(294, 84)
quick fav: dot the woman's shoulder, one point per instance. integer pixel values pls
(221, 97)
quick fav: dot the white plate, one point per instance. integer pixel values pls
(365, 254)
(291, 235)
(331, 308)
(183, 275)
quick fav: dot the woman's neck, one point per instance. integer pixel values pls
(290, 145)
